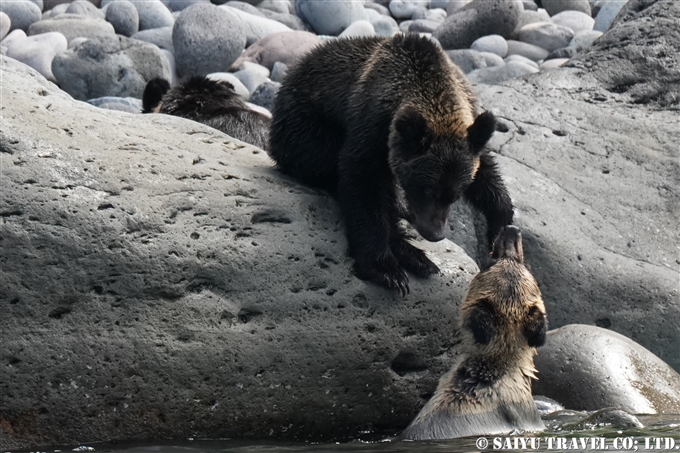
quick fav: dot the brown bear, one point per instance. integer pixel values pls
(211, 102)
(389, 126)
(488, 390)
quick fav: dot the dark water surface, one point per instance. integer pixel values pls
(566, 431)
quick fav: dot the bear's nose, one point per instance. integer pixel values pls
(508, 244)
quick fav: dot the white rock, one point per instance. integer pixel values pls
(608, 12)
(357, 29)
(547, 35)
(239, 87)
(38, 52)
(575, 20)
(492, 59)
(584, 39)
(492, 43)
(552, 64)
(404, 9)
(521, 59)
(256, 27)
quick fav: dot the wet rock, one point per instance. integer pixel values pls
(73, 26)
(162, 270)
(610, 418)
(207, 38)
(109, 66)
(477, 19)
(547, 405)
(587, 367)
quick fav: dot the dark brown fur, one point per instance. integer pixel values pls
(213, 103)
(488, 390)
(389, 126)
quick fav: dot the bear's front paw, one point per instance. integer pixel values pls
(384, 271)
(413, 259)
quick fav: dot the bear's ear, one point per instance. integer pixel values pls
(481, 131)
(409, 134)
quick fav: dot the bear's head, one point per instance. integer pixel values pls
(434, 170)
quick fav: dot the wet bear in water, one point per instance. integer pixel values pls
(488, 390)
(211, 102)
(389, 126)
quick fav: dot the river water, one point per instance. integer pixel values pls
(566, 432)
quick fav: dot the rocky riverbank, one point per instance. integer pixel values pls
(162, 280)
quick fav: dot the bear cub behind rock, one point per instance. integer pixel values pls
(389, 126)
(211, 102)
(488, 390)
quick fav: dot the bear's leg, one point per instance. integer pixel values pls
(367, 200)
(488, 194)
(411, 257)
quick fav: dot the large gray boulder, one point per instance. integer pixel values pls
(109, 66)
(477, 19)
(156, 269)
(588, 368)
(207, 38)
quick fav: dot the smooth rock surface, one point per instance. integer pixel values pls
(207, 38)
(564, 52)
(552, 63)
(357, 29)
(286, 47)
(109, 66)
(576, 21)
(330, 17)
(531, 51)
(186, 271)
(22, 13)
(492, 59)
(13, 36)
(73, 26)
(256, 27)
(557, 6)
(84, 8)
(495, 44)
(153, 14)
(162, 37)
(422, 26)
(588, 368)
(477, 19)
(5, 25)
(124, 17)
(289, 20)
(531, 17)
(179, 5)
(404, 9)
(608, 12)
(278, 72)
(546, 35)
(38, 52)
(239, 87)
